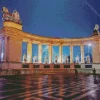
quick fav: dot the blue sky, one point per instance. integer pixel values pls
(56, 18)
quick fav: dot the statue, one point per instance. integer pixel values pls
(77, 59)
(96, 27)
(35, 58)
(56, 59)
(96, 30)
(6, 14)
(67, 60)
(88, 59)
(46, 59)
(5, 10)
(16, 16)
(24, 58)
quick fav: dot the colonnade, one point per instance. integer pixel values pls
(29, 52)
(12, 36)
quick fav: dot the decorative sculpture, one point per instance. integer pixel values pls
(24, 58)
(46, 59)
(5, 10)
(96, 27)
(67, 60)
(35, 58)
(14, 17)
(96, 30)
(77, 59)
(56, 59)
(6, 15)
(88, 59)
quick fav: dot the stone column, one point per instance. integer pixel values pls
(60, 52)
(0, 47)
(39, 53)
(95, 52)
(14, 49)
(71, 53)
(50, 53)
(82, 53)
(29, 52)
(5, 48)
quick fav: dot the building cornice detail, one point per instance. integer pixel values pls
(24, 35)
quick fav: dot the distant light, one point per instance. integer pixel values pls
(89, 44)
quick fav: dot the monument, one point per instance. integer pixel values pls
(14, 36)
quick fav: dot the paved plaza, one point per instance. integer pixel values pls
(49, 87)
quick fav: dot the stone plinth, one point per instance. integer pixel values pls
(12, 25)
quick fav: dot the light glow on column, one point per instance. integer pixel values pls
(2, 55)
(89, 44)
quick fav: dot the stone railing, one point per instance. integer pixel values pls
(46, 71)
(36, 71)
(12, 68)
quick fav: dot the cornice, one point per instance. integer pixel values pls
(24, 35)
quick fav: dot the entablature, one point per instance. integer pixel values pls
(12, 32)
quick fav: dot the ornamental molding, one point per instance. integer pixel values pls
(12, 32)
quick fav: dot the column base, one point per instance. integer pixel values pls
(72, 65)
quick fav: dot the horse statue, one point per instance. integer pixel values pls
(5, 10)
(6, 15)
(14, 17)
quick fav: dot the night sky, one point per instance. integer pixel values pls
(56, 18)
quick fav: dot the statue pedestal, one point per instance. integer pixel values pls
(72, 65)
(12, 25)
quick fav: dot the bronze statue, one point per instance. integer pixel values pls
(14, 17)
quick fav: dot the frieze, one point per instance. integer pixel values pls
(20, 34)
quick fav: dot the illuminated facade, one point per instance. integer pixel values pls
(19, 47)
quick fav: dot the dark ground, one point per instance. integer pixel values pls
(49, 87)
